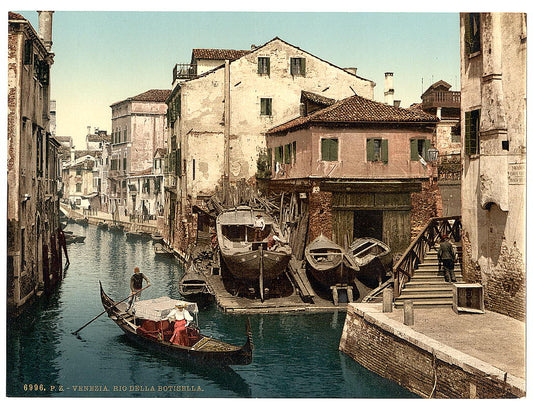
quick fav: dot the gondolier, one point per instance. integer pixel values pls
(259, 226)
(136, 284)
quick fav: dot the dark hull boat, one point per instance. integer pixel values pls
(116, 228)
(247, 257)
(137, 235)
(193, 286)
(157, 238)
(149, 330)
(162, 250)
(329, 264)
(374, 259)
(103, 225)
(72, 238)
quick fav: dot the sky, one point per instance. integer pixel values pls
(102, 57)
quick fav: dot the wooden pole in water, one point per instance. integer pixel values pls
(261, 290)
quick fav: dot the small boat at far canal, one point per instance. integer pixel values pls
(374, 259)
(162, 250)
(102, 225)
(247, 256)
(329, 263)
(193, 286)
(150, 329)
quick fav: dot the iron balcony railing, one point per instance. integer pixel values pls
(184, 72)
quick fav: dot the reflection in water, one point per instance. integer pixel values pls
(295, 355)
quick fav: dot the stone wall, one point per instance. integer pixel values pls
(413, 363)
(320, 215)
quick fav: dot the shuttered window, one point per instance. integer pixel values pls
(266, 106)
(472, 33)
(298, 66)
(287, 155)
(28, 51)
(377, 150)
(472, 132)
(419, 148)
(263, 65)
(294, 151)
(330, 149)
(279, 155)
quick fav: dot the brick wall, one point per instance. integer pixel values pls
(504, 284)
(320, 215)
(414, 368)
(425, 205)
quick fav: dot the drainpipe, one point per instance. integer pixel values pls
(227, 122)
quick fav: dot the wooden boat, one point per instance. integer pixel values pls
(136, 235)
(82, 221)
(148, 329)
(116, 227)
(247, 259)
(374, 259)
(193, 286)
(163, 250)
(329, 263)
(157, 238)
(103, 225)
(72, 238)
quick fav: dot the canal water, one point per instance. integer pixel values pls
(295, 356)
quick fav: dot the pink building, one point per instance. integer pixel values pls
(358, 161)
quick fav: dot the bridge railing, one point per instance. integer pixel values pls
(430, 235)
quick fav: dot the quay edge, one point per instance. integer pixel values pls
(419, 363)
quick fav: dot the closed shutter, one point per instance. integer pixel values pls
(28, 51)
(427, 145)
(287, 154)
(330, 149)
(370, 149)
(414, 149)
(302, 67)
(385, 151)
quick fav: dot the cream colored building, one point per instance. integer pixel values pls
(493, 126)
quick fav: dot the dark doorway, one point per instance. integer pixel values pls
(368, 224)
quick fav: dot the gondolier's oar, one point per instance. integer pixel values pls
(105, 311)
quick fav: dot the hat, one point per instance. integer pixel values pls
(180, 304)
(258, 215)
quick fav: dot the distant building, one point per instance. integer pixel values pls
(78, 179)
(137, 130)
(96, 140)
(217, 119)
(493, 126)
(33, 254)
(357, 161)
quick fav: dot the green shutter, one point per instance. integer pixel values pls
(427, 145)
(414, 149)
(302, 66)
(468, 133)
(278, 155)
(385, 151)
(287, 154)
(369, 149)
(269, 158)
(294, 151)
(330, 149)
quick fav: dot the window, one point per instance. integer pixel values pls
(472, 33)
(287, 155)
(330, 149)
(194, 169)
(78, 172)
(114, 164)
(125, 134)
(28, 51)
(419, 148)
(124, 164)
(263, 65)
(377, 150)
(294, 151)
(472, 132)
(278, 155)
(266, 106)
(78, 187)
(298, 66)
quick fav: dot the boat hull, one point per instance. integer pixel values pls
(246, 266)
(374, 259)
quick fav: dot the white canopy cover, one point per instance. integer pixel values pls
(158, 309)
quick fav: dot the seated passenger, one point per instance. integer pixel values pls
(182, 318)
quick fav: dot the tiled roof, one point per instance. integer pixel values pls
(15, 16)
(357, 109)
(218, 54)
(97, 137)
(321, 100)
(160, 151)
(145, 172)
(153, 95)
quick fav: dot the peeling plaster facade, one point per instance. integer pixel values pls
(493, 79)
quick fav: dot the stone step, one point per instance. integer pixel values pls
(437, 287)
(425, 304)
(430, 295)
(427, 284)
(432, 278)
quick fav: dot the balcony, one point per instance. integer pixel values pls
(443, 99)
(184, 72)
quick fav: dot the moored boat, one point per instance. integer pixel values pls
(72, 238)
(193, 286)
(246, 251)
(102, 225)
(157, 238)
(329, 264)
(374, 259)
(149, 328)
(136, 235)
(163, 250)
(116, 227)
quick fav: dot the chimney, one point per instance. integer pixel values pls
(352, 70)
(397, 103)
(88, 130)
(389, 89)
(45, 28)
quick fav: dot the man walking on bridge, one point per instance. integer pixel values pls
(447, 255)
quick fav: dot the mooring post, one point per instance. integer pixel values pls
(408, 313)
(387, 300)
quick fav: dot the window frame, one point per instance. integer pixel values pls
(297, 66)
(415, 146)
(472, 37)
(266, 107)
(371, 154)
(472, 128)
(263, 65)
(328, 154)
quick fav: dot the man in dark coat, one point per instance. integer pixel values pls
(447, 257)
(136, 285)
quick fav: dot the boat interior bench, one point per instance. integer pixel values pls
(163, 330)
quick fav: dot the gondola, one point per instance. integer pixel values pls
(247, 257)
(136, 235)
(102, 225)
(193, 286)
(157, 238)
(148, 329)
(329, 264)
(374, 259)
(117, 227)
